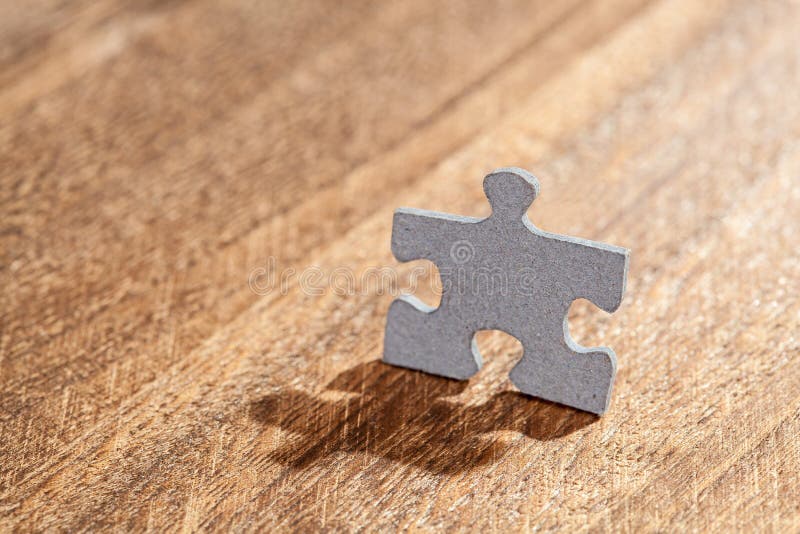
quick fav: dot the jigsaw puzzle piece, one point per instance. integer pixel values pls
(441, 341)
(428, 339)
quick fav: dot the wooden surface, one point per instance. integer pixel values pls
(154, 155)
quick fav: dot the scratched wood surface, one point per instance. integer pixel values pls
(159, 159)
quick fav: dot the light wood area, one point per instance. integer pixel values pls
(157, 158)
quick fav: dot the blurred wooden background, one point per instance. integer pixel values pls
(155, 155)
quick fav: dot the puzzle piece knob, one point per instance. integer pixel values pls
(510, 191)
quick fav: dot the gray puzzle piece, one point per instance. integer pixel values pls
(503, 273)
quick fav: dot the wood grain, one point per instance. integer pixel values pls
(153, 156)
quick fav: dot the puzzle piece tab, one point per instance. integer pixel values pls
(503, 273)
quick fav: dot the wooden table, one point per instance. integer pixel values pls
(160, 159)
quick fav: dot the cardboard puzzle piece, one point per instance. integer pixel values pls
(503, 273)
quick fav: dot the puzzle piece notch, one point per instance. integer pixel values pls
(560, 270)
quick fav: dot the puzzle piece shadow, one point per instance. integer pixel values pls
(404, 416)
